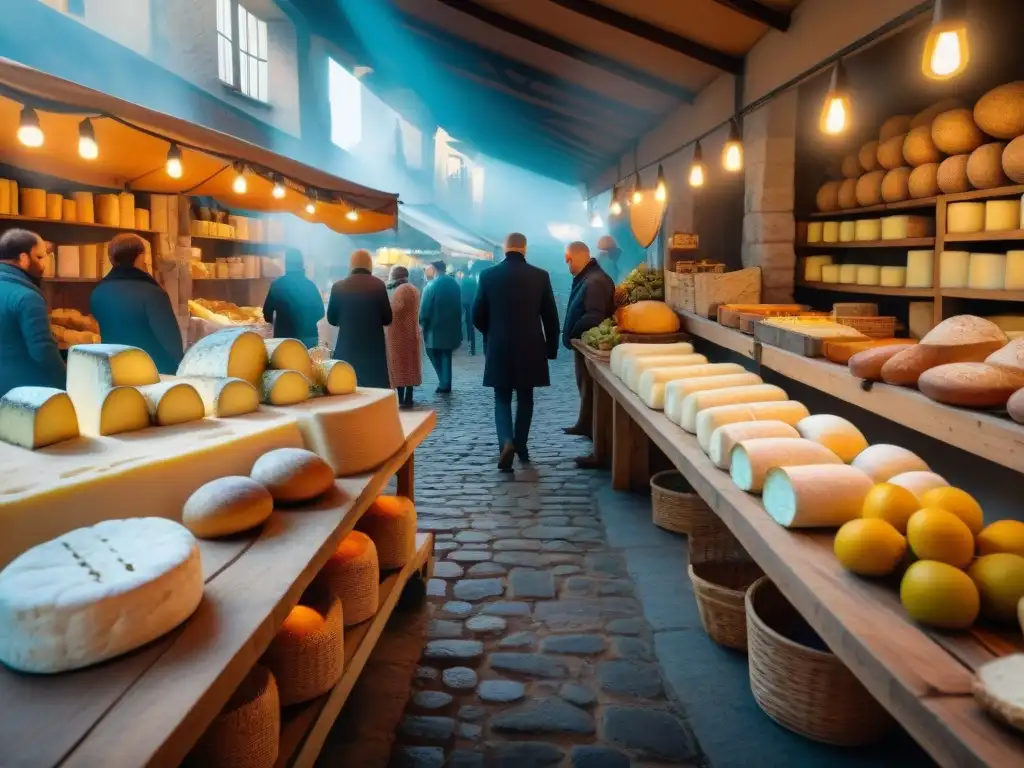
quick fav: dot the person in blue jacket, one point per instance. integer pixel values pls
(293, 303)
(131, 307)
(441, 320)
(29, 356)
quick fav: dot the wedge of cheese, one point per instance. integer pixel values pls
(723, 376)
(651, 388)
(634, 369)
(35, 417)
(710, 419)
(230, 353)
(223, 398)
(693, 404)
(335, 377)
(283, 388)
(623, 352)
(752, 459)
(172, 402)
(816, 495)
(726, 437)
(82, 481)
(101, 381)
(289, 355)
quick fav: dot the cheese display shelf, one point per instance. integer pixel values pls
(919, 680)
(214, 239)
(874, 290)
(985, 237)
(977, 293)
(919, 204)
(994, 438)
(907, 242)
(152, 705)
(30, 222)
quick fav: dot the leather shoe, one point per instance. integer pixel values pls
(575, 429)
(508, 453)
(587, 462)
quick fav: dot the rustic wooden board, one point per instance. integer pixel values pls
(794, 341)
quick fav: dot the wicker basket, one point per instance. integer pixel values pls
(872, 327)
(720, 589)
(699, 267)
(802, 688)
(352, 574)
(308, 665)
(246, 732)
(674, 503)
(710, 540)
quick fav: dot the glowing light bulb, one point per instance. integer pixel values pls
(240, 185)
(733, 160)
(697, 175)
(836, 116)
(29, 132)
(596, 222)
(279, 190)
(87, 147)
(174, 167)
(638, 197)
(352, 215)
(310, 207)
(615, 208)
(946, 52)
(660, 192)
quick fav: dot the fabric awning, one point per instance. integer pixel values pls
(133, 143)
(448, 232)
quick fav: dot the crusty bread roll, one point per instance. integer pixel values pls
(868, 363)
(960, 339)
(1010, 357)
(971, 385)
(1015, 406)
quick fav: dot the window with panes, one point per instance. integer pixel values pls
(242, 50)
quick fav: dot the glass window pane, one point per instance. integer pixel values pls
(242, 29)
(263, 41)
(264, 82)
(254, 77)
(253, 35)
(243, 74)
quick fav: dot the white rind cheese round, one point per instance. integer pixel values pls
(752, 459)
(623, 352)
(882, 462)
(815, 495)
(726, 437)
(35, 417)
(96, 593)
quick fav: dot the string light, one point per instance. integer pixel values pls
(87, 147)
(946, 53)
(638, 193)
(311, 204)
(174, 167)
(279, 190)
(732, 153)
(615, 209)
(835, 114)
(595, 221)
(697, 167)
(29, 132)
(661, 189)
(352, 215)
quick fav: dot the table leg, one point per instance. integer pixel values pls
(602, 424)
(639, 460)
(407, 478)
(622, 448)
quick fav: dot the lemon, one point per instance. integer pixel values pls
(1002, 536)
(939, 595)
(869, 546)
(959, 502)
(1000, 582)
(891, 503)
(935, 534)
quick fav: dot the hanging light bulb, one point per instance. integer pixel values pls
(615, 209)
(352, 215)
(638, 193)
(835, 114)
(697, 167)
(174, 167)
(279, 189)
(661, 189)
(946, 53)
(29, 132)
(595, 221)
(241, 184)
(87, 147)
(732, 153)
(311, 203)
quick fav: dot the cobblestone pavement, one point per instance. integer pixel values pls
(537, 651)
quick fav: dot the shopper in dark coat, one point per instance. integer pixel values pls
(293, 303)
(131, 307)
(360, 307)
(516, 313)
(29, 356)
(441, 320)
(468, 287)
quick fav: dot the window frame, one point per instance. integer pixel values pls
(234, 10)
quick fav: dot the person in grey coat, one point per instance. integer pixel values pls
(29, 356)
(441, 320)
(360, 308)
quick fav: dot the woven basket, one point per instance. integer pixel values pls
(308, 665)
(352, 575)
(720, 589)
(807, 690)
(711, 541)
(674, 503)
(391, 523)
(872, 327)
(246, 733)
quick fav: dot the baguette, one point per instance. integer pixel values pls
(867, 364)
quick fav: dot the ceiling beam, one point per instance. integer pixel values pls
(759, 12)
(654, 34)
(552, 42)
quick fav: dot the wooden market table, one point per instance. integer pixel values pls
(922, 678)
(149, 708)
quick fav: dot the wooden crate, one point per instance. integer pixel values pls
(701, 293)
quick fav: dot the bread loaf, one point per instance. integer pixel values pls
(890, 152)
(1010, 357)
(960, 339)
(1013, 160)
(924, 181)
(952, 175)
(869, 188)
(894, 126)
(926, 116)
(971, 385)
(985, 166)
(868, 363)
(848, 194)
(896, 185)
(918, 147)
(1000, 112)
(868, 156)
(828, 197)
(1015, 406)
(956, 133)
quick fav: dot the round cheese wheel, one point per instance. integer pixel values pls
(227, 505)
(246, 732)
(956, 133)
(985, 166)
(894, 126)
(828, 197)
(391, 523)
(896, 185)
(952, 175)
(868, 156)
(848, 194)
(890, 152)
(851, 166)
(924, 181)
(352, 574)
(869, 188)
(293, 475)
(1013, 160)
(307, 656)
(918, 147)
(1000, 112)
(926, 116)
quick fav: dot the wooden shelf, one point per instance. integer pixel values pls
(151, 706)
(903, 205)
(908, 242)
(29, 222)
(872, 290)
(975, 293)
(985, 237)
(47, 280)
(228, 279)
(237, 241)
(304, 727)
(921, 683)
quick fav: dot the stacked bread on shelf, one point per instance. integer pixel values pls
(69, 327)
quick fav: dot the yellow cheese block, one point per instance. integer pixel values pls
(35, 417)
(141, 218)
(33, 203)
(89, 265)
(954, 267)
(1015, 271)
(830, 232)
(893, 277)
(84, 205)
(848, 273)
(987, 271)
(868, 274)
(69, 261)
(847, 230)
(226, 354)
(814, 231)
(69, 210)
(283, 388)
(830, 273)
(335, 377)
(100, 380)
(919, 269)
(903, 227)
(710, 419)
(172, 402)
(108, 210)
(813, 266)
(224, 397)
(54, 206)
(867, 230)
(965, 218)
(126, 210)
(13, 185)
(5, 196)
(289, 355)
(1002, 215)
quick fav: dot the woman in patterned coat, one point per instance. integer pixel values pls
(405, 360)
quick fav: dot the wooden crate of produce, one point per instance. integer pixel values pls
(702, 293)
(803, 336)
(729, 314)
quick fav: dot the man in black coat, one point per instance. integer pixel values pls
(516, 313)
(360, 307)
(293, 303)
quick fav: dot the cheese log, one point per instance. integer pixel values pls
(651, 388)
(35, 417)
(971, 385)
(814, 231)
(289, 355)
(868, 274)
(293, 475)
(126, 210)
(226, 506)
(835, 433)
(725, 438)
(391, 523)
(352, 574)
(284, 388)
(1015, 407)
(224, 397)
(830, 273)
(172, 402)
(677, 390)
(97, 593)
(142, 218)
(69, 261)
(84, 207)
(54, 206)
(33, 203)
(108, 210)
(868, 363)
(634, 369)
(693, 404)
(622, 352)
(110, 411)
(230, 353)
(752, 459)
(848, 273)
(68, 210)
(830, 232)
(881, 462)
(847, 230)
(918, 482)
(335, 377)
(816, 495)
(867, 230)
(710, 419)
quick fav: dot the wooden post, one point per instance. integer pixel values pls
(602, 424)
(639, 459)
(407, 478)
(622, 448)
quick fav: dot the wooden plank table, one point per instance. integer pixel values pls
(149, 707)
(921, 683)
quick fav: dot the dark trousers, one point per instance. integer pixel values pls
(520, 433)
(585, 384)
(467, 315)
(441, 359)
(404, 395)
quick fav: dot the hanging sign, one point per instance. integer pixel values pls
(684, 241)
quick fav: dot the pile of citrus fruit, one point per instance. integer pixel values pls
(953, 567)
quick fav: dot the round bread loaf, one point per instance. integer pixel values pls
(1000, 112)
(924, 181)
(869, 188)
(971, 385)
(1015, 406)
(1010, 357)
(828, 197)
(952, 175)
(293, 475)
(926, 116)
(890, 152)
(894, 126)
(848, 194)
(1013, 160)
(868, 156)
(851, 166)
(918, 147)
(868, 363)
(985, 166)
(896, 185)
(955, 132)
(227, 505)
